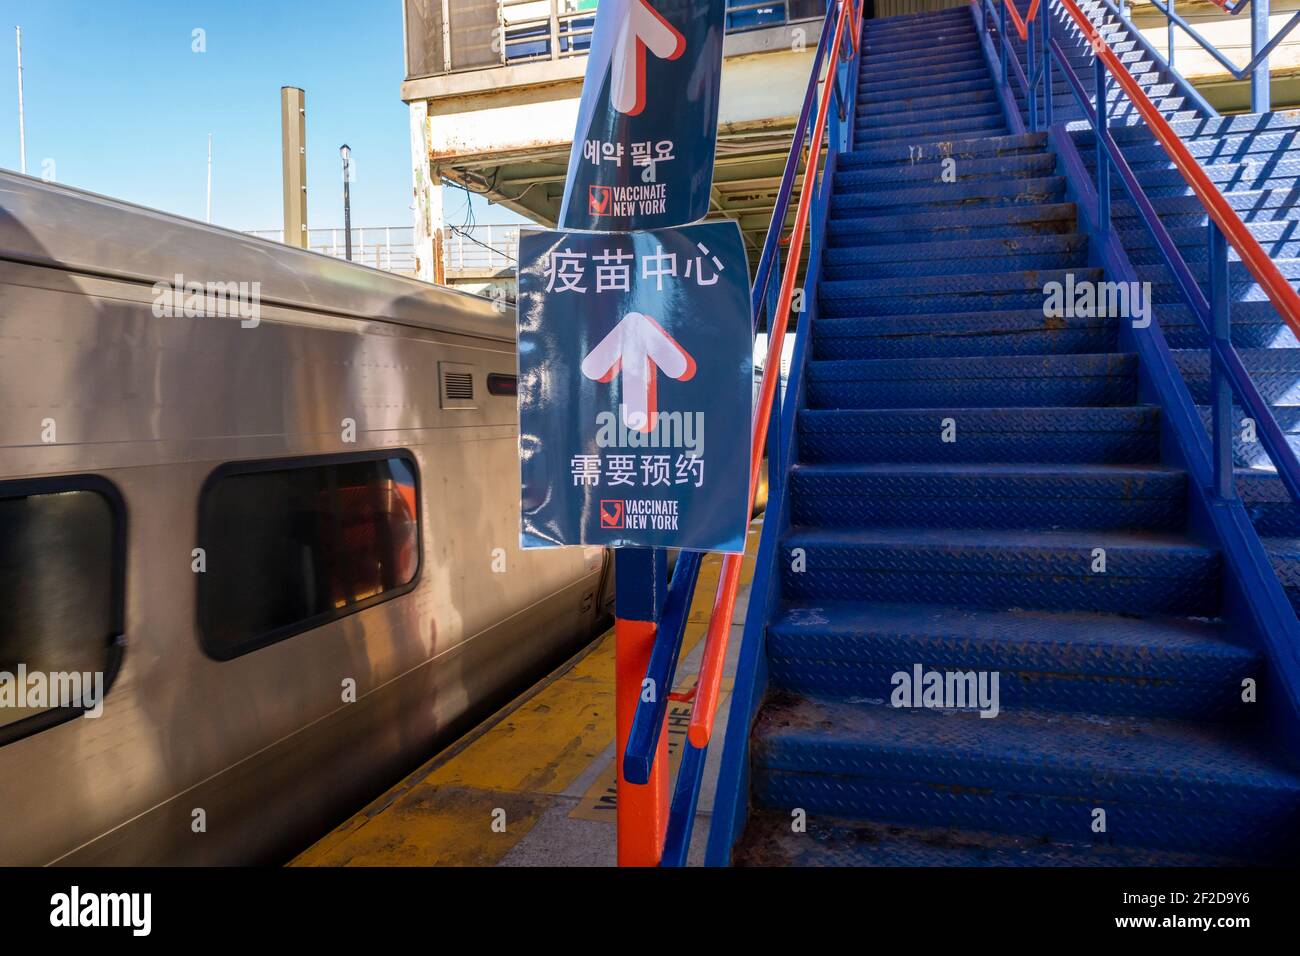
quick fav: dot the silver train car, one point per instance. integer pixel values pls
(269, 500)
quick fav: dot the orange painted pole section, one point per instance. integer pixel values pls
(642, 808)
(1265, 271)
(724, 604)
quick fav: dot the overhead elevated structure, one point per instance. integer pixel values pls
(496, 116)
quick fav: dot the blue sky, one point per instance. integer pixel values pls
(117, 98)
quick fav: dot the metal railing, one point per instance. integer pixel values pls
(818, 122)
(1261, 45)
(1225, 228)
(534, 30)
(391, 248)
(486, 249)
(478, 251)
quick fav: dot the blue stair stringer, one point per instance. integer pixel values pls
(890, 548)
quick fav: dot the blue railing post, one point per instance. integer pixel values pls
(1170, 57)
(1044, 38)
(1030, 59)
(1103, 154)
(1221, 333)
(1260, 97)
(1002, 37)
(775, 442)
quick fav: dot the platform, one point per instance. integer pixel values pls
(546, 760)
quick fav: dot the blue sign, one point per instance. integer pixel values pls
(635, 388)
(648, 121)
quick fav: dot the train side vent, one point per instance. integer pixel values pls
(457, 385)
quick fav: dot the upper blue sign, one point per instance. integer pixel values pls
(648, 121)
(635, 388)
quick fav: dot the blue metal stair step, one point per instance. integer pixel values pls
(1000, 570)
(921, 69)
(1260, 148)
(1019, 192)
(841, 263)
(933, 49)
(1128, 119)
(1098, 435)
(961, 293)
(1164, 784)
(975, 76)
(1252, 454)
(859, 227)
(1011, 497)
(960, 250)
(1024, 332)
(833, 841)
(1213, 127)
(1254, 325)
(991, 124)
(961, 149)
(909, 25)
(1267, 502)
(1280, 240)
(1284, 553)
(925, 100)
(1269, 205)
(1049, 661)
(930, 171)
(1275, 372)
(983, 381)
(963, 112)
(1242, 285)
(1162, 179)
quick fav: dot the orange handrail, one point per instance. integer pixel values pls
(724, 604)
(1022, 26)
(1265, 271)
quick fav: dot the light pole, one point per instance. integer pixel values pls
(22, 130)
(346, 152)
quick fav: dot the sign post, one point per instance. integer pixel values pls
(635, 347)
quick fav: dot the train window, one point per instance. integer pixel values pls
(498, 384)
(291, 545)
(62, 576)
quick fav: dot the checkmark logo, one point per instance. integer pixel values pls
(611, 514)
(600, 200)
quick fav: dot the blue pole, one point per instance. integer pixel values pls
(1045, 37)
(1002, 41)
(1221, 393)
(1170, 19)
(1103, 158)
(1030, 43)
(1260, 101)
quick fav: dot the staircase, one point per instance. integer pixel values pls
(964, 466)
(1254, 161)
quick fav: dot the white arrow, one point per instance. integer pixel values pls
(636, 346)
(640, 28)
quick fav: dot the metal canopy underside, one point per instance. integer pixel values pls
(747, 175)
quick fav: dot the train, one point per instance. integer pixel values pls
(259, 535)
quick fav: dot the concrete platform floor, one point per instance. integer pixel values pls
(533, 785)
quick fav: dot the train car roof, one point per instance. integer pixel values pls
(53, 225)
